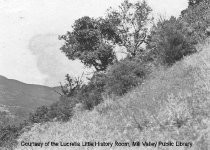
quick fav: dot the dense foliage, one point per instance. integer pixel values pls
(197, 19)
(89, 42)
(123, 76)
(169, 41)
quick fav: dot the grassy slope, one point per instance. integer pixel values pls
(173, 104)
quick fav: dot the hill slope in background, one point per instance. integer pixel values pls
(19, 98)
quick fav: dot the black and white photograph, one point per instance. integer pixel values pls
(104, 74)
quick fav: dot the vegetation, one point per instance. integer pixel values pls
(158, 92)
(194, 2)
(91, 95)
(9, 135)
(123, 76)
(197, 19)
(92, 40)
(89, 43)
(172, 105)
(131, 21)
(169, 41)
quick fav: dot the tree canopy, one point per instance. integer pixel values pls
(91, 42)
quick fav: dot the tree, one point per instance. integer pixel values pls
(90, 42)
(131, 21)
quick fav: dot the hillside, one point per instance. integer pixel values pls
(19, 98)
(172, 105)
(157, 97)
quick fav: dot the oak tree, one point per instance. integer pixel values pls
(91, 41)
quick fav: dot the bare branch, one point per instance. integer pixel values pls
(57, 92)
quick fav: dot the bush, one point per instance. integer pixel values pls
(61, 110)
(90, 95)
(169, 41)
(40, 115)
(8, 136)
(175, 48)
(123, 76)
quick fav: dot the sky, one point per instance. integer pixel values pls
(29, 29)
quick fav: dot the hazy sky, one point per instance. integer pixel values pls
(29, 47)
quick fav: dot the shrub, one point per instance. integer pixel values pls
(91, 94)
(63, 109)
(169, 41)
(71, 87)
(40, 115)
(123, 76)
(8, 136)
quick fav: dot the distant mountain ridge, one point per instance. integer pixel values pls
(25, 97)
